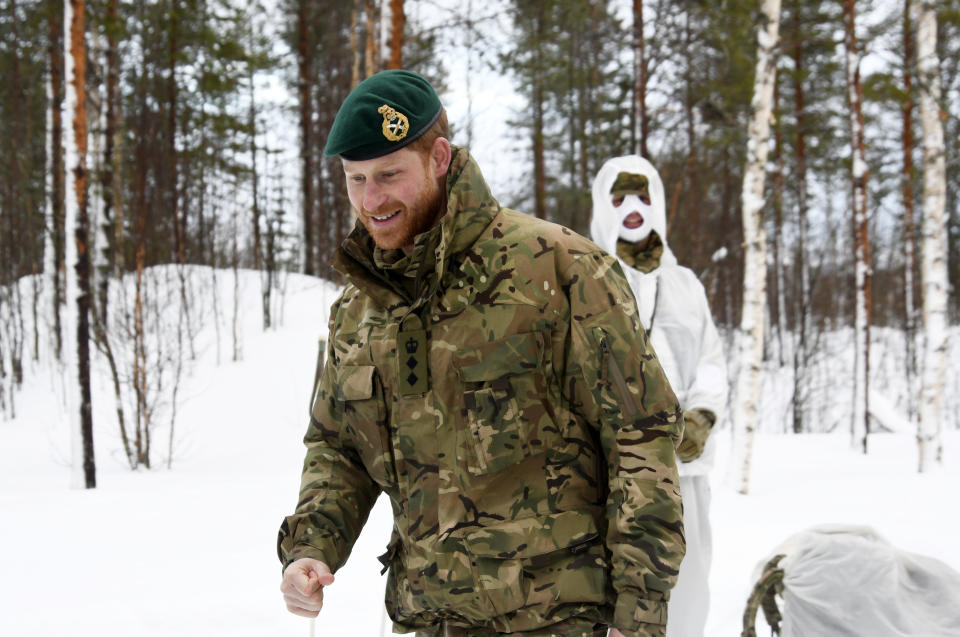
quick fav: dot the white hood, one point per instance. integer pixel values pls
(672, 304)
(605, 221)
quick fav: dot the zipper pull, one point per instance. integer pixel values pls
(605, 358)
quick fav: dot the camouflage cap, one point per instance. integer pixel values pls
(627, 183)
(384, 113)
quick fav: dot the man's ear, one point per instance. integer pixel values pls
(440, 155)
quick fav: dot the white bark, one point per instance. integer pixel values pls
(861, 372)
(934, 231)
(746, 408)
(909, 256)
(468, 136)
(801, 345)
(70, 205)
(97, 238)
(49, 255)
(386, 24)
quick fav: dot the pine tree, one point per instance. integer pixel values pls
(566, 58)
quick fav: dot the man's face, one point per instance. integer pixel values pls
(396, 196)
(630, 197)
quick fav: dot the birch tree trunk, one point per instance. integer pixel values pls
(641, 124)
(173, 158)
(777, 244)
(305, 70)
(51, 163)
(539, 161)
(689, 116)
(909, 227)
(69, 281)
(934, 267)
(355, 54)
(55, 52)
(801, 346)
(746, 408)
(469, 41)
(78, 277)
(861, 269)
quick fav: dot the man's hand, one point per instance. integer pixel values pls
(696, 430)
(302, 586)
(615, 633)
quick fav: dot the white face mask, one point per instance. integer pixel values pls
(632, 203)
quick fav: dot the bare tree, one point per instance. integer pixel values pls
(934, 273)
(539, 161)
(780, 296)
(372, 59)
(398, 21)
(111, 178)
(746, 410)
(861, 235)
(354, 43)
(801, 348)
(55, 51)
(470, 42)
(641, 121)
(909, 227)
(305, 68)
(84, 469)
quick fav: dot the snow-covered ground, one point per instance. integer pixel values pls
(190, 550)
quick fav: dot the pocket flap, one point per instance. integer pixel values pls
(392, 549)
(515, 354)
(532, 536)
(356, 382)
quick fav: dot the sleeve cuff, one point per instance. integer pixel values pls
(702, 417)
(306, 550)
(640, 617)
(292, 545)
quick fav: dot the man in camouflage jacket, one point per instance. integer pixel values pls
(488, 372)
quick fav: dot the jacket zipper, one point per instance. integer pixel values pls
(626, 398)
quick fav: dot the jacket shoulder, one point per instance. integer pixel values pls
(524, 233)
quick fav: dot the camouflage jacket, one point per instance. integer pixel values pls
(516, 417)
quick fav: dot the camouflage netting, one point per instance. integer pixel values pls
(848, 581)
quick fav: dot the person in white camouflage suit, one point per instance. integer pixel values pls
(629, 221)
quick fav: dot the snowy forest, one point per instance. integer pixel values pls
(807, 149)
(168, 222)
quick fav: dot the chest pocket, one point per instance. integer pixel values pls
(360, 394)
(505, 412)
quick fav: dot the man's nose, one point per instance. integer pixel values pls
(373, 196)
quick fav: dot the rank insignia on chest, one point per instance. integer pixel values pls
(412, 371)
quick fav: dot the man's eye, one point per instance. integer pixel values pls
(617, 201)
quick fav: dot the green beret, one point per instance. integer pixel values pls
(384, 113)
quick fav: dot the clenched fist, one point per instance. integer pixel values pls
(302, 586)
